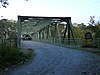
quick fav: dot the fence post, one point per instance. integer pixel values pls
(98, 42)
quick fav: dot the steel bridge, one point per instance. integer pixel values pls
(53, 30)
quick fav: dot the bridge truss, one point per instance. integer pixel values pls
(48, 29)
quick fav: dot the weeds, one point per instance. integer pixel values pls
(10, 56)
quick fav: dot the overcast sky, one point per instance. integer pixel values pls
(79, 10)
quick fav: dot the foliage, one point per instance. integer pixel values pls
(97, 31)
(93, 28)
(4, 3)
(7, 29)
(80, 30)
(10, 56)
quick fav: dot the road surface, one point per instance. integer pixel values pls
(54, 60)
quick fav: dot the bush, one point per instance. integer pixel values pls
(10, 56)
(88, 43)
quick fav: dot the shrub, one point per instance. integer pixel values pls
(10, 56)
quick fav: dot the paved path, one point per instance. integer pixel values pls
(54, 60)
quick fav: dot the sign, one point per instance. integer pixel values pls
(88, 35)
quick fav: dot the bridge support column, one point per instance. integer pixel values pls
(58, 32)
(48, 32)
(44, 34)
(70, 31)
(18, 33)
(38, 36)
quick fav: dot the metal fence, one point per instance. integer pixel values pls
(62, 42)
(76, 42)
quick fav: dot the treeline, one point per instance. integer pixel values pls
(7, 29)
(10, 55)
(81, 29)
(93, 27)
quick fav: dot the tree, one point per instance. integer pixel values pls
(94, 27)
(81, 26)
(92, 21)
(7, 28)
(97, 30)
(4, 3)
(80, 30)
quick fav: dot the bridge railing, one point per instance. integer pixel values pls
(62, 42)
(76, 42)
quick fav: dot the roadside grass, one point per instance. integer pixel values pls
(92, 50)
(13, 57)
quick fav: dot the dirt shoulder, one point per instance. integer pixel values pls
(92, 50)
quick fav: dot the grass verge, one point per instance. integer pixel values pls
(12, 57)
(92, 50)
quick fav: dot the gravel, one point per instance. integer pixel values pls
(55, 60)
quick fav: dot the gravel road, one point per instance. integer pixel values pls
(54, 60)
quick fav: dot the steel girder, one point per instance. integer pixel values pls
(36, 24)
(30, 27)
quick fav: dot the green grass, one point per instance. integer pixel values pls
(10, 56)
